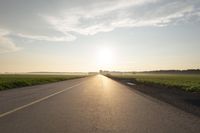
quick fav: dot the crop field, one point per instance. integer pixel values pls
(9, 81)
(186, 82)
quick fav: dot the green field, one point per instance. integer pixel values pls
(9, 81)
(186, 82)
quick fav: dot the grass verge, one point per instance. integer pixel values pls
(185, 82)
(9, 81)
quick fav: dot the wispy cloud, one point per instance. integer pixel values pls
(6, 45)
(68, 37)
(4, 32)
(108, 16)
(63, 20)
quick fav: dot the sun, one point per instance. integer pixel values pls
(105, 58)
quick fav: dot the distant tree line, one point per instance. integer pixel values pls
(188, 71)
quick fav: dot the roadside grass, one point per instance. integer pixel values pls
(185, 82)
(9, 81)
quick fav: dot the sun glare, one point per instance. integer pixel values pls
(105, 58)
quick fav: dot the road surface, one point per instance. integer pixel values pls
(94, 104)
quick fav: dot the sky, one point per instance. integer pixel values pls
(89, 35)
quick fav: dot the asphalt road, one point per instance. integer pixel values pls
(94, 104)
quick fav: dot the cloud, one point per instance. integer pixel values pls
(68, 37)
(6, 45)
(62, 21)
(95, 18)
(3, 32)
(107, 16)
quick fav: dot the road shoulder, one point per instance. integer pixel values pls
(187, 101)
